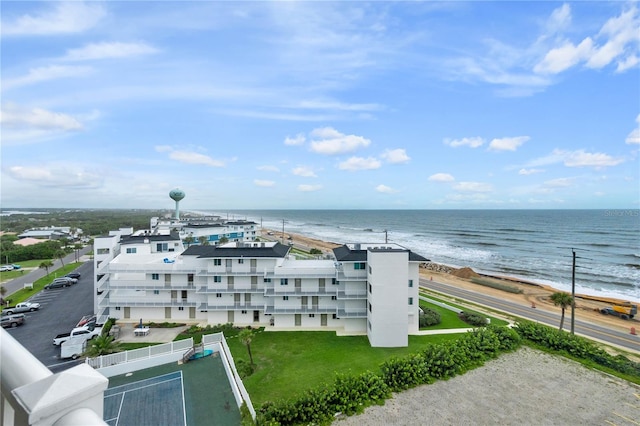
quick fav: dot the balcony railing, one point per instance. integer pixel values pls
(148, 285)
(270, 309)
(227, 290)
(349, 295)
(287, 290)
(352, 313)
(232, 307)
(142, 304)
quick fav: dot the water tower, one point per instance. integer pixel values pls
(177, 195)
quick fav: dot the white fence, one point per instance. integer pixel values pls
(103, 361)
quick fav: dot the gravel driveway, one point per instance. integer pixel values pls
(526, 387)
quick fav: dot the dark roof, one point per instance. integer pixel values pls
(136, 239)
(240, 222)
(345, 254)
(278, 250)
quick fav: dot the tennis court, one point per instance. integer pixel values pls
(155, 401)
(195, 393)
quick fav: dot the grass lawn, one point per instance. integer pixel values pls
(494, 320)
(291, 362)
(449, 319)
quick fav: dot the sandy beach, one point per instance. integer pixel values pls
(587, 307)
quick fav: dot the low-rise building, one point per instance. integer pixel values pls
(365, 289)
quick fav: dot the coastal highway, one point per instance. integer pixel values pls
(626, 341)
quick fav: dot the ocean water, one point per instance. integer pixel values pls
(535, 245)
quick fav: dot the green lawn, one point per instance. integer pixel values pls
(494, 320)
(290, 362)
(449, 319)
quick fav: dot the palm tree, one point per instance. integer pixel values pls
(204, 241)
(223, 240)
(3, 291)
(60, 255)
(189, 240)
(46, 265)
(102, 345)
(564, 300)
(77, 247)
(245, 337)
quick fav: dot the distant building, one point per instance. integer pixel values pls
(210, 229)
(365, 289)
(51, 233)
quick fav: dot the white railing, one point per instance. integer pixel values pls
(28, 388)
(138, 354)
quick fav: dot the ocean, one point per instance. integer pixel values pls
(535, 245)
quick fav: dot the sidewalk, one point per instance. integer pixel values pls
(156, 335)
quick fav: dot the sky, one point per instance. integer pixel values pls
(320, 105)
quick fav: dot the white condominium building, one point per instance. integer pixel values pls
(366, 288)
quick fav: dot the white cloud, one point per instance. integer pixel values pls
(441, 177)
(309, 188)
(507, 144)
(108, 50)
(473, 142)
(359, 163)
(63, 18)
(64, 176)
(527, 172)
(303, 171)
(634, 136)
(618, 36)
(163, 148)
(559, 183)
(264, 183)
(473, 187)
(267, 168)
(21, 124)
(299, 139)
(580, 158)
(395, 156)
(37, 75)
(190, 157)
(385, 189)
(329, 141)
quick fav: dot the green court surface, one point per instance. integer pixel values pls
(205, 397)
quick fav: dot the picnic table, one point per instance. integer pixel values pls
(141, 331)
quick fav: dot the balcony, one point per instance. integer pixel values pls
(228, 271)
(149, 285)
(270, 309)
(344, 295)
(143, 303)
(352, 313)
(288, 291)
(231, 307)
(227, 290)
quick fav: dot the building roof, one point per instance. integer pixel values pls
(347, 254)
(137, 239)
(242, 250)
(28, 241)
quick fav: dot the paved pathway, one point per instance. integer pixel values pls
(34, 275)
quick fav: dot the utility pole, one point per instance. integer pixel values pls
(386, 240)
(282, 236)
(573, 292)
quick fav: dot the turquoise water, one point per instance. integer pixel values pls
(535, 245)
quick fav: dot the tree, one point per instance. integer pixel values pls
(102, 345)
(77, 247)
(60, 255)
(223, 240)
(245, 337)
(204, 241)
(564, 300)
(315, 251)
(46, 265)
(189, 240)
(3, 291)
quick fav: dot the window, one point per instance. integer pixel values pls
(162, 247)
(411, 300)
(369, 307)
(312, 315)
(240, 261)
(217, 262)
(284, 281)
(155, 277)
(103, 251)
(334, 297)
(117, 308)
(190, 278)
(334, 281)
(156, 291)
(267, 280)
(243, 312)
(218, 294)
(131, 250)
(359, 265)
(181, 308)
(285, 297)
(410, 283)
(370, 289)
(217, 279)
(334, 316)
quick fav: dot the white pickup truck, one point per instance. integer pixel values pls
(21, 307)
(85, 332)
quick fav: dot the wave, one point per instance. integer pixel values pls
(632, 265)
(524, 231)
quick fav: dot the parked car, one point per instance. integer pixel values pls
(12, 320)
(66, 279)
(16, 266)
(21, 307)
(74, 275)
(5, 268)
(57, 284)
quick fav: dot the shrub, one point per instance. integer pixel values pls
(245, 369)
(429, 317)
(473, 318)
(499, 286)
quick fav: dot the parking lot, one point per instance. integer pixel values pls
(60, 310)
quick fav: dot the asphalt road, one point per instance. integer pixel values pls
(60, 311)
(592, 331)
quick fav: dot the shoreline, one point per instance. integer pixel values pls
(534, 295)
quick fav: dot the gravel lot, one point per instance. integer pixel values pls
(527, 387)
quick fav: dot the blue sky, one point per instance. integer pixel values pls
(320, 105)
